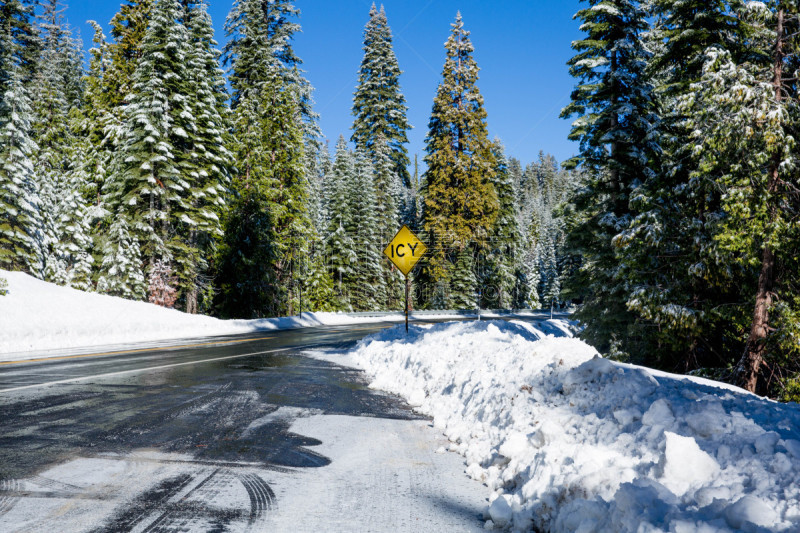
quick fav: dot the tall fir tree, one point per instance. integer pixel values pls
(272, 121)
(379, 106)
(128, 28)
(678, 287)
(21, 232)
(500, 261)
(58, 98)
(367, 282)
(206, 162)
(460, 202)
(340, 246)
(152, 181)
(617, 130)
(739, 109)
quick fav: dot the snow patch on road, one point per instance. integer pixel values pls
(568, 441)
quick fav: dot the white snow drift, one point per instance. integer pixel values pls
(36, 315)
(569, 441)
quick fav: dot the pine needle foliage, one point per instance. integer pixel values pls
(379, 106)
(460, 202)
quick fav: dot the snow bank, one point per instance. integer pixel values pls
(36, 315)
(569, 441)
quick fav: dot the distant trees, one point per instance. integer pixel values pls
(141, 177)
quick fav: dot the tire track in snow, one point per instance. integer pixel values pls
(7, 500)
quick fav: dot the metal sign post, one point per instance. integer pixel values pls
(404, 251)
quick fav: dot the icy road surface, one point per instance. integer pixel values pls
(242, 434)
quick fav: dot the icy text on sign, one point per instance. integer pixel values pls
(405, 250)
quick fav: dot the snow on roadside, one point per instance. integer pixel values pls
(36, 315)
(569, 441)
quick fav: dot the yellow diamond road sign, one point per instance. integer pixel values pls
(405, 250)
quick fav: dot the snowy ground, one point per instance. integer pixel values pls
(36, 315)
(568, 441)
(564, 440)
(384, 476)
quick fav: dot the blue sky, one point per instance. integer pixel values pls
(521, 47)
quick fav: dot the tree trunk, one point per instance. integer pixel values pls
(749, 367)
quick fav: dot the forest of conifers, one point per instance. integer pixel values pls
(170, 171)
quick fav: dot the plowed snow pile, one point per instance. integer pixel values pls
(36, 315)
(568, 441)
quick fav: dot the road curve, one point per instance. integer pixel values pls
(238, 433)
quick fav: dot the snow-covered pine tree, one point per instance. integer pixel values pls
(685, 29)
(58, 98)
(121, 268)
(128, 28)
(499, 262)
(318, 289)
(367, 282)
(379, 106)
(390, 194)
(617, 131)
(24, 42)
(316, 282)
(20, 223)
(272, 119)
(550, 277)
(679, 287)
(460, 202)
(340, 248)
(739, 109)
(70, 260)
(464, 285)
(101, 124)
(205, 162)
(150, 185)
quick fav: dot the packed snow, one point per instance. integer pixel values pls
(36, 315)
(569, 441)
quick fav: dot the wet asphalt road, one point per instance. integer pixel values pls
(208, 402)
(176, 399)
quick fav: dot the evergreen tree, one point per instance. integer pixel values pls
(378, 105)
(736, 110)
(206, 161)
(21, 40)
(679, 289)
(272, 120)
(128, 28)
(100, 125)
(20, 222)
(244, 276)
(616, 128)
(340, 246)
(389, 195)
(500, 261)
(318, 286)
(58, 96)
(149, 186)
(121, 267)
(460, 202)
(367, 281)
(464, 288)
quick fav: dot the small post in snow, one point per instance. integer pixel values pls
(408, 285)
(404, 251)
